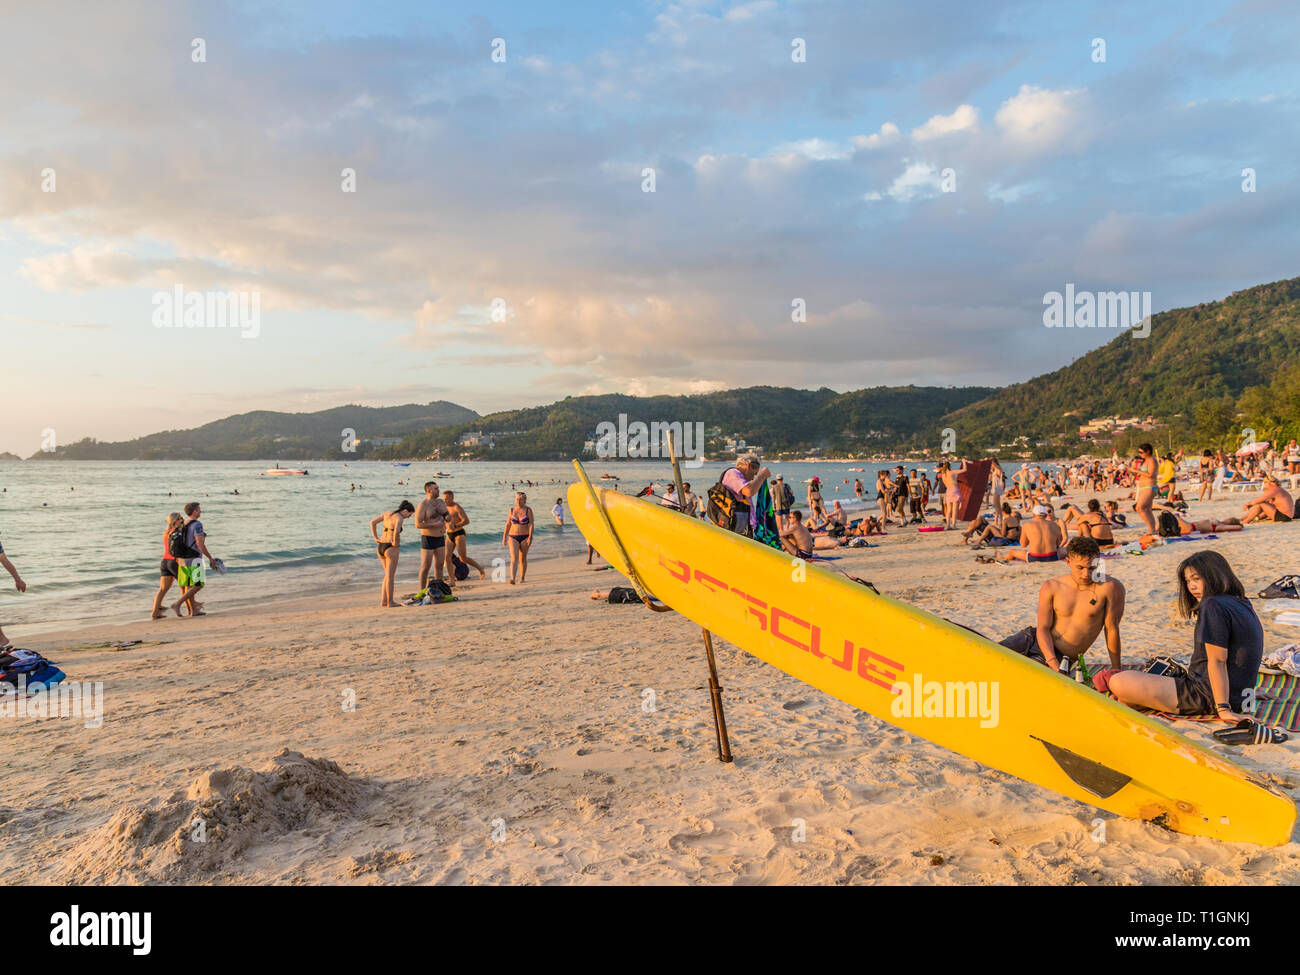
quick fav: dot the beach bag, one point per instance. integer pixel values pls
(459, 568)
(623, 594)
(1168, 525)
(438, 588)
(725, 509)
(178, 546)
(787, 496)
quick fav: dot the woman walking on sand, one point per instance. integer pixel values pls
(168, 573)
(388, 547)
(518, 536)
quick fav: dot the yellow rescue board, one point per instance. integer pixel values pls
(931, 677)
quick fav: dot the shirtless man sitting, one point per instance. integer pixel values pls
(1273, 503)
(1040, 539)
(1094, 524)
(796, 539)
(1072, 610)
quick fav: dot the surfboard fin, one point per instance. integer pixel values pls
(1098, 779)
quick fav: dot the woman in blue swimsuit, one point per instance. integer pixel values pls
(518, 536)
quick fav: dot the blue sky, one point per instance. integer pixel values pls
(521, 182)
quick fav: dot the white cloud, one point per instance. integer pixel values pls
(965, 118)
(1040, 118)
(888, 134)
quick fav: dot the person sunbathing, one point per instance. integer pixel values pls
(870, 525)
(1273, 504)
(1093, 524)
(1072, 611)
(796, 539)
(1040, 539)
(1206, 526)
(1003, 529)
(1113, 515)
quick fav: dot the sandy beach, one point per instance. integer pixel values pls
(509, 737)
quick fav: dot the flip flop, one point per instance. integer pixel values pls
(1288, 587)
(1247, 732)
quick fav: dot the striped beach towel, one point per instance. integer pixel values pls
(1277, 703)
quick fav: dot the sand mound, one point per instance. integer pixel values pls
(207, 828)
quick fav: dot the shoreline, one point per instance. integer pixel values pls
(524, 707)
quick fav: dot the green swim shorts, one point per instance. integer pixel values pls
(190, 572)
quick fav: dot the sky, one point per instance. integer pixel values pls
(917, 182)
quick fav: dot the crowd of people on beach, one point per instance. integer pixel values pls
(1073, 610)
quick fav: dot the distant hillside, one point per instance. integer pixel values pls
(777, 419)
(267, 435)
(1210, 352)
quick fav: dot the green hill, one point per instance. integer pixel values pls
(1210, 353)
(267, 435)
(777, 419)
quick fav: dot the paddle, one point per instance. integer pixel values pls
(715, 689)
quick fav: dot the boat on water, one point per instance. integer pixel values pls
(609, 477)
(277, 470)
(400, 464)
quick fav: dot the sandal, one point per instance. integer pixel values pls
(1247, 732)
(1288, 587)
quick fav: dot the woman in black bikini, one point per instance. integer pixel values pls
(518, 536)
(388, 547)
(456, 533)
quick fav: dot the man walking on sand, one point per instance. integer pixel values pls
(1072, 610)
(18, 584)
(189, 561)
(431, 520)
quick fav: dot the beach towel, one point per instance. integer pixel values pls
(1277, 703)
(762, 518)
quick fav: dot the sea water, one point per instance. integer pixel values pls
(86, 536)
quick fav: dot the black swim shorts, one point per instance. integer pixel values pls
(432, 541)
(1025, 643)
(1195, 696)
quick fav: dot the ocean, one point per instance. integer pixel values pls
(86, 536)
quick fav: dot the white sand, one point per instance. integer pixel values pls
(519, 711)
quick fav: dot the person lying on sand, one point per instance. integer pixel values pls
(1273, 504)
(1205, 526)
(1093, 524)
(1072, 610)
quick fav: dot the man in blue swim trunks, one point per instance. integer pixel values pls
(18, 584)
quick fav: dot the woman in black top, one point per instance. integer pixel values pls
(1228, 646)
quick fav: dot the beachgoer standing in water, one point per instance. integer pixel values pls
(518, 536)
(456, 522)
(431, 520)
(18, 584)
(388, 547)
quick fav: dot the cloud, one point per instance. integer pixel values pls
(1039, 119)
(965, 118)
